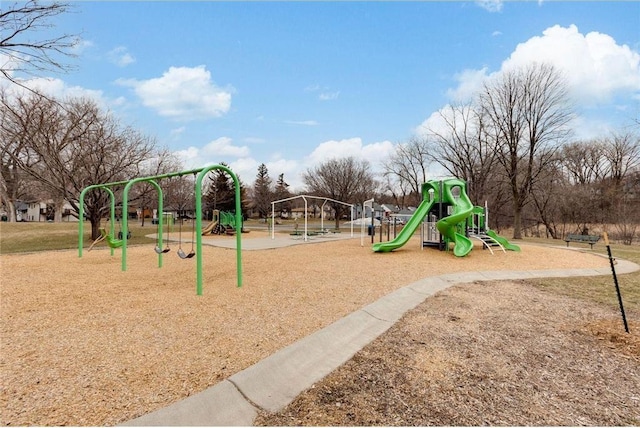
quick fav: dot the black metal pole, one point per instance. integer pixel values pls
(615, 280)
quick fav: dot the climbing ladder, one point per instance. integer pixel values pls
(487, 241)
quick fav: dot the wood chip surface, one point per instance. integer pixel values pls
(83, 343)
(497, 354)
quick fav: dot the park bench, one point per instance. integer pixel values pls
(589, 239)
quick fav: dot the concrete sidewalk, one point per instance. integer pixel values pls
(266, 243)
(271, 384)
(279, 241)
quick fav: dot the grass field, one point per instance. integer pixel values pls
(600, 289)
(31, 237)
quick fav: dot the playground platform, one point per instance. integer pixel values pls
(274, 382)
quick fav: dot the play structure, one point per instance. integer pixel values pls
(223, 223)
(452, 221)
(306, 233)
(162, 246)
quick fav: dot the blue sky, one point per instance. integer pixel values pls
(291, 84)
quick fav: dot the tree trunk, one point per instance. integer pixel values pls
(95, 227)
(11, 211)
(551, 231)
(517, 222)
(57, 215)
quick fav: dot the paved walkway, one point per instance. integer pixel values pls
(273, 383)
(263, 243)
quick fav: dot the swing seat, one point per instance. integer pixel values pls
(184, 255)
(160, 250)
(110, 240)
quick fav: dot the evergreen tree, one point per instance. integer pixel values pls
(262, 192)
(221, 192)
(282, 192)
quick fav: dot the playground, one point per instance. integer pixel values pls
(84, 343)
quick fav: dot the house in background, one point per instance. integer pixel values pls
(41, 211)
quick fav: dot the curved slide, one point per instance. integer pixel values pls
(407, 231)
(447, 226)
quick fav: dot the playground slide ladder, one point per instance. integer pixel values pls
(487, 241)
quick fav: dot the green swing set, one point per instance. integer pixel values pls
(110, 240)
(196, 242)
(158, 248)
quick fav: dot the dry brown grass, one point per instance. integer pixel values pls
(86, 344)
(503, 353)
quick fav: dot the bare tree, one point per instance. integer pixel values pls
(15, 114)
(465, 149)
(622, 155)
(20, 48)
(67, 149)
(528, 112)
(342, 179)
(176, 194)
(582, 161)
(399, 190)
(547, 195)
(180, 194)
(408, 165)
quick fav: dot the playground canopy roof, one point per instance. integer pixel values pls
(304, 198)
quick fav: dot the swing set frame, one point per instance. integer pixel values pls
(200, 174)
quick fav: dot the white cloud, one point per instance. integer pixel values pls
(329, 96)
(490, 5)
(301, 122)
(245, 168)
(223, 147)
(81, 46)
(9, 63)
(279, 166)
(177, 132)
(58, 89)
(244, 165)
(324, 92)
(182, 93)
(434, 123)
(470, 81)
(254, 140)
(219, 150)
(118, 102)
(292, 170)
(190, 157)
(373, 153)
(595, 66)
(601, 76)
(120, 56)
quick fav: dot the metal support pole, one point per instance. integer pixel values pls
(615, 280)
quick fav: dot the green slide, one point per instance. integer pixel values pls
(407, 231)
(463, 209)
(506, 244)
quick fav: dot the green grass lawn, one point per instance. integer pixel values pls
(29, 237)
(599, 289)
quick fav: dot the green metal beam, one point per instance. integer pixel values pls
(200, 174)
